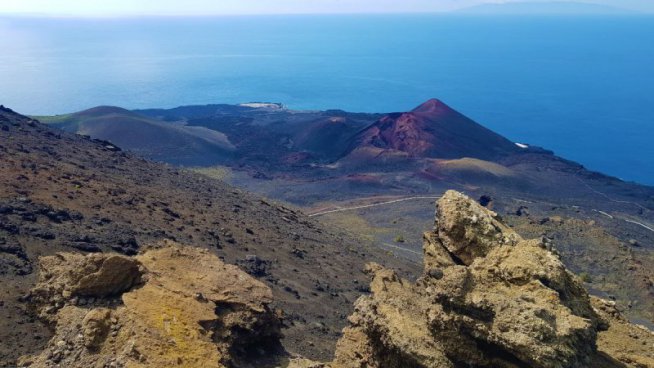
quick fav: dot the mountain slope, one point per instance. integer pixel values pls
(261, 137)
(64, 192)
(147, 137)
(602, 226)
(327, 137)
(433, 130)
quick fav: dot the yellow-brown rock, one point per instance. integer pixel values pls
(623, 342)
(188, 309)
(487, 298)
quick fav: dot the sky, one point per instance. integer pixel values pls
(220, 7)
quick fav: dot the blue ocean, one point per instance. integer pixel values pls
(581, 86)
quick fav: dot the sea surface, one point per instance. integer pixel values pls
(582, 86)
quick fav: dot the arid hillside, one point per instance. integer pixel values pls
(487, 298)
(64, 192)
(380, 173)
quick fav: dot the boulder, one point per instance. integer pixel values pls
(487, 298)
(170, 306)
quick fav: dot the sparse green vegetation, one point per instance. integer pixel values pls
(354, 224)
(223, 173)
(399, 239)
(585, 277)
(55, 119)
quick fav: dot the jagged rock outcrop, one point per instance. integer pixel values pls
(487, 298)
(170, 306)
(68, 278)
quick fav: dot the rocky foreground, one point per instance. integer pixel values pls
(61, 193)
(487, 298)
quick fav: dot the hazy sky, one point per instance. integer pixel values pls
(210, 7)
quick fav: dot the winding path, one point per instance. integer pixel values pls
(607, 197)
(352, 208)
(402, 249)
(617, 201)
(638, 223)
(372, 205)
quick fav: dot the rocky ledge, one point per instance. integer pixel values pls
(487, 298)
